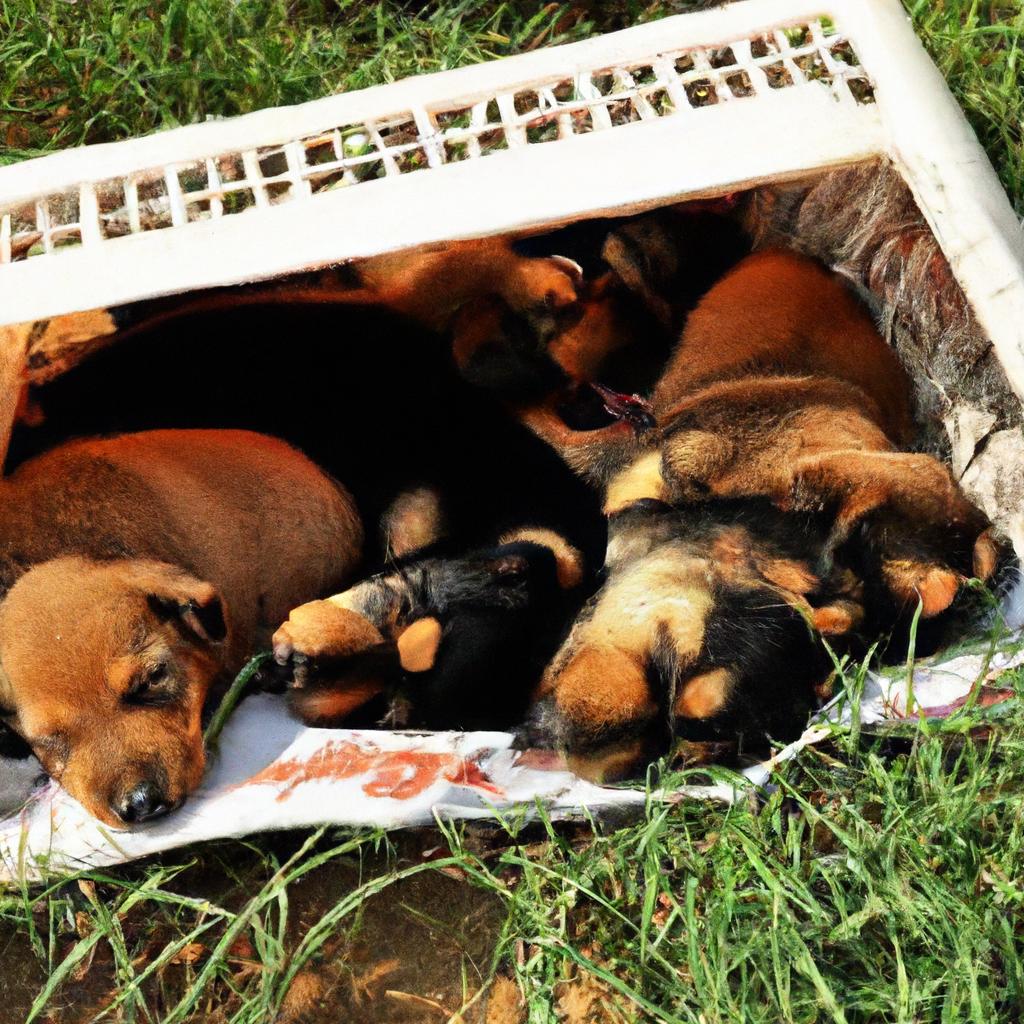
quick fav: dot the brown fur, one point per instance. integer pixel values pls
(136, 571)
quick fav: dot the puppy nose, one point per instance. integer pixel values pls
(142, 803)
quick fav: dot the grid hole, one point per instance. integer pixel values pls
(604, 83)
(454, 118)
(622, 112)
(542, 131)
(113, 210)
(238, 200)
(64, 208)
(661, 102)
(278, 191)
(844, 52)
(763, 46)
(69, 238)
(722, 58)
(24, 234)
(356, 141)
(400, 132)
(527, 103)
(369, 171)
(582, 122)
(644, 75)
(798, 35)
(863, 91)
(411, 160)
(230, 167)
(565, 92)
(198, 210)
(778, 75)
(272, 161)
(739, 84)
(320, 153)
(701, 93)
(454, 152)
(493, 141)
(812, 65)
(153, 202)
(684, 63)
(192, 178)
(328, 180)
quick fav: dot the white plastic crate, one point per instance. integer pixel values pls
(693, 106)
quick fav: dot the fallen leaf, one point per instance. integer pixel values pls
(189, 953)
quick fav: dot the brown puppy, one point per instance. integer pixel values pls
(136, 570)
(780, 392)
(781, 388)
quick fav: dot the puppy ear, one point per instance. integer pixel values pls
(199, 610)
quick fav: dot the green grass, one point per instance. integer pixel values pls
(881, 880)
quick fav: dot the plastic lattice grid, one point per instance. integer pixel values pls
(811, 55)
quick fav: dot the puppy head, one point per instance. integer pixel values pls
(107, 666)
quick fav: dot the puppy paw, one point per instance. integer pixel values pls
(933, 584)
(320, 632)
(596, 708)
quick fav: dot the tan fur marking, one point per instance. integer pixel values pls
(935, 585)
(788, 574)
(418, 644)
(837, 619)
(659, 591)
(642, 479)
(412, 521)
(986, 555)
(704, 695)
(603, 686)
(568, 561)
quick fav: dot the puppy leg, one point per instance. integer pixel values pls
(338, 654)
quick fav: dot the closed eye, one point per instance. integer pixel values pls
(152, 687)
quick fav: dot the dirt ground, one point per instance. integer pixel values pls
(417, 951)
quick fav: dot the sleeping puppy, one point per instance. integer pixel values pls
(453, 642)
(780, 391)
(704, 630)
(137, 571)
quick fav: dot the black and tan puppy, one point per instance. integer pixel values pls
(134, 572)
(458, 641)
(780, 391)
(703, 631)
